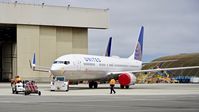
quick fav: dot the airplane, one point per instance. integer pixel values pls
(79, 67)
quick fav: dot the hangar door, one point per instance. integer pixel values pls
(7, 52)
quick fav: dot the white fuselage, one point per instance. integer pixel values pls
(90, 67)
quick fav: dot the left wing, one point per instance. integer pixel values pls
(34, 67)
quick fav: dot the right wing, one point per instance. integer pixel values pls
(154, 70)
(34, 67)
(164, 61)
(164, 69)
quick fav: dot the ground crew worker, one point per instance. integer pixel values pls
(112, 84)
(17, 79)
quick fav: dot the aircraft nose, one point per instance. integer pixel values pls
(57, 70)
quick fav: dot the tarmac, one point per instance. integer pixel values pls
(103, 89)
(139, 98)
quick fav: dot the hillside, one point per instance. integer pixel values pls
(191, 59)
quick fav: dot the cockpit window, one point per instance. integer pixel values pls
(66, 62)
(62, 62)
(58, 62)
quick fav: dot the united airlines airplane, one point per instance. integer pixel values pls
(92, 68)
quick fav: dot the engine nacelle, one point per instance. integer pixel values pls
(126, 79)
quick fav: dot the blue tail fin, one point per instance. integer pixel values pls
(137, 54)
(108, 49)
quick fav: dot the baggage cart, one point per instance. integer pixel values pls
(31, 87)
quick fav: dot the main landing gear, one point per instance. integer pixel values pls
(122, 86)
(93, 84)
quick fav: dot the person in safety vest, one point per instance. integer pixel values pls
(112, 84)
(17, 79)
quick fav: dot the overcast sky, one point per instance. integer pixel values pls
(171, 26)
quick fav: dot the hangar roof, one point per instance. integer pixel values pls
(11, 13)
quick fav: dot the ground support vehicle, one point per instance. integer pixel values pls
(59, 83)
(17, 87)
(31, 87)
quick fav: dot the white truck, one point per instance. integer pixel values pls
(18, 87)
(59, 83)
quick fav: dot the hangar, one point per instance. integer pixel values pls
(48, 31)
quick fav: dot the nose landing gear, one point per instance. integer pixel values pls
(93, 84)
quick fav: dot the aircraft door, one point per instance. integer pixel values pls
(79, 65)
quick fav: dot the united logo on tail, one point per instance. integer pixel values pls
(137, 54)
(139, 47)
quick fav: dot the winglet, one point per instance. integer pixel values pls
(108, 49)
(137, 54)
(35, 67)
(33, 62)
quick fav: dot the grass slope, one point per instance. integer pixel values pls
(191, 59)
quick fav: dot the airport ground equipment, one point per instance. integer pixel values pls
(194, 80)
(183, 79)
(59, 83)
(31, 87)
(17, 87)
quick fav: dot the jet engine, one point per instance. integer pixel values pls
(126, 79)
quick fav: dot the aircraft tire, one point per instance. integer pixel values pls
(95, 84)
(122, 86)
(90, 85)
(127, 87)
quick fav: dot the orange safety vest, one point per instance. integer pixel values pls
(17, 80)
(112, 82)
